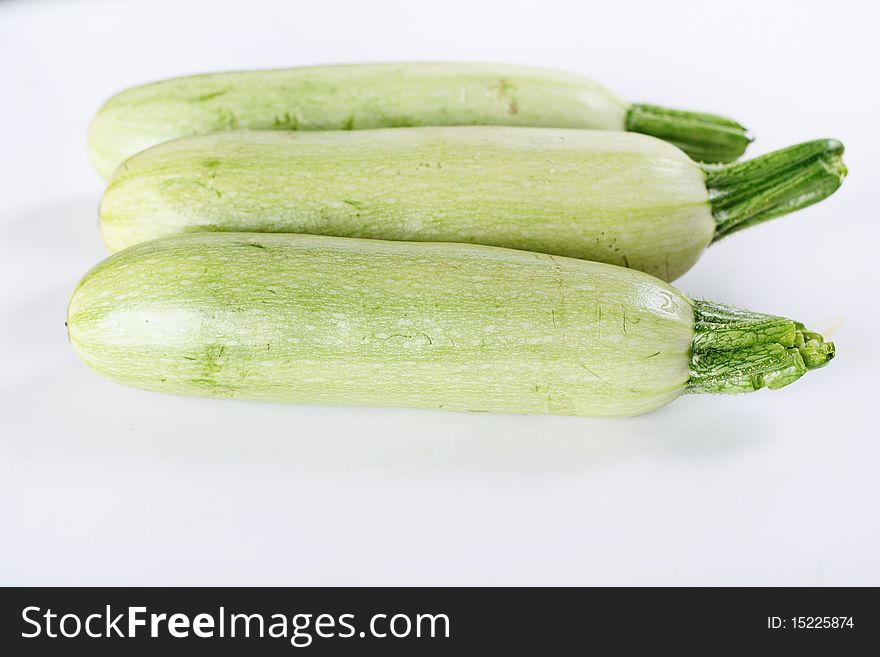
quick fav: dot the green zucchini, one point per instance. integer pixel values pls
(389, 96)
(316, 319)
(618, 198)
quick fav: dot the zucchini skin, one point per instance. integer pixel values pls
(618, 198)
(316, 319)
(348, 97)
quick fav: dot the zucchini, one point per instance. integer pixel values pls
(316, 319)
(389, 96)
(618, 198)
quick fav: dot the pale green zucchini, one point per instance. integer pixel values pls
(316, 319)
(618, 198)
(389, 96)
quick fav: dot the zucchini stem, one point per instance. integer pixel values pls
(704, 137)
(738, 350)
(752, 192)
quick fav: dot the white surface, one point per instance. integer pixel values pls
(102, 484)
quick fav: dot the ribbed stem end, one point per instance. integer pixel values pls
(749, 193)
(704, 137)
(737, 350)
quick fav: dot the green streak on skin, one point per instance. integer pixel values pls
(315, 319)
(741, 351)
(749, 193)
(704, 137)
(611, 197)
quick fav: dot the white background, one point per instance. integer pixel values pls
(102, 484)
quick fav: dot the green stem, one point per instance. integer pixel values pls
(740, 351)
(749, 193)
(705, 137)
